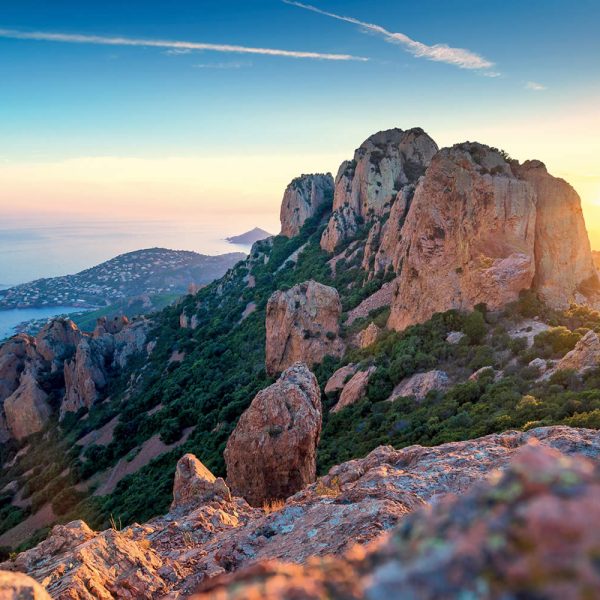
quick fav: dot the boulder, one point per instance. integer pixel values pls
(585, 355)
(304, 198)
(302, 324)
(195, 485)
(338, 380)
(455, 337)
(420, 384)
(354, 390)
(271, 453)
(367, 336)
(17, 586)
(27, 409)
(366, 186)
(540, 364)
(476, 376)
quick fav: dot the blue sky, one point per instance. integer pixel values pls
(63, 101)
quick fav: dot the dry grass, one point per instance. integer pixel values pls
(332, 490)
(271, 506)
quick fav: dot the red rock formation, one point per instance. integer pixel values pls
(302, 324)
(16, 586)
(366, 186)
(57, 340)
(420, 384)
(468, 237)
(585, 355)
(356, 502)
(339, 379)
(304, 197)
(565, 270)
(271, 454)
(354, 390)
(194, 484)
(26, 409)
(530, 532)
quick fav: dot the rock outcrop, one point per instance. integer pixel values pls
(271, 454)
(195, 485)
(585, 355)
(26, 409)
(420, 384)
(305, 197)
(366, 186)
(63, 353)
(468, 238)
(339, 379)
(354, 390)
(367, 336)
(302, 324)
(480, 229)
(524, 533)
(356, 502)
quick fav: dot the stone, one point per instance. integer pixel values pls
(305, 197)
(468, 237)
(339, 379)
(367, 336)
(271, 453)
(476, 376)
(540, 364)
(194, 484)
(366, 186)
(529, 532)
(57, 340)
(420, 384)
(302, 324)
(585, 355)
(354, 390)
(17, 586)
(455, 337)
(27, 409)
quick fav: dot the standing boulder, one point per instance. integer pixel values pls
(18, 586)
(585, 355)
(194, 484)
(302, 325)
(272, 452)
(304, 197)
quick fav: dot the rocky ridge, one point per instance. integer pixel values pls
(356, 502)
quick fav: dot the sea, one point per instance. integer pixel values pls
(34, 250)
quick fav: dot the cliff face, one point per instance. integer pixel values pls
(304, 197)
(366, 186)
(81, 362)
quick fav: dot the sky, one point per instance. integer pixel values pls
(202, 109)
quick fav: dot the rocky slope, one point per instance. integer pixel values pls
(548, 473)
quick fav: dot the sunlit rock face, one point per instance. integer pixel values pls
(564, 270)
(366, 186)
(469, 237)
(305, 197)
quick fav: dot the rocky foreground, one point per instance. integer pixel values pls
(459, 528)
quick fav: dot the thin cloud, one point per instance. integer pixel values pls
(173, 45)
(223, 65)
(459, 57)
(535, 86)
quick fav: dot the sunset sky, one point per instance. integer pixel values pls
(198, 108)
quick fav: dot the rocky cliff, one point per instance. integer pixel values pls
(80, 362)
(305, 197)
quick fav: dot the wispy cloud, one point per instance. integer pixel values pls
(535, 86)
(223, 65)
(75, 38)
(459, 57)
